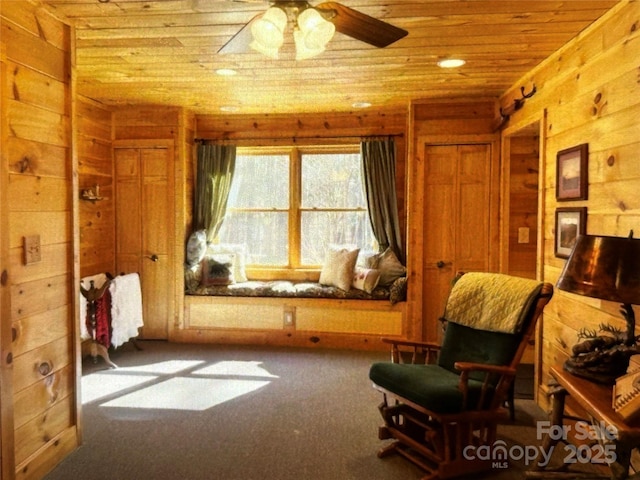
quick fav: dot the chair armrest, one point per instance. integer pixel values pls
(427, 350)
(409, 343)
(492, 393)
(484, 367)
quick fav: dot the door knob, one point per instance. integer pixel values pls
(153, 258)
(442, 264)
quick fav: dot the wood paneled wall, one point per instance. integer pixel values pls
(523, 161)
(588, 92)
(39, 425)
(146, 122)
(95, 167)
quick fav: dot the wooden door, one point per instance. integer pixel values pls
(145, 229)
(457, 205)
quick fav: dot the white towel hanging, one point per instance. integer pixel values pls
(126, 308)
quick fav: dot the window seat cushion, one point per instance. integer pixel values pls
(285, 288)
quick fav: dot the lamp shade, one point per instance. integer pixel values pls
(604, 267)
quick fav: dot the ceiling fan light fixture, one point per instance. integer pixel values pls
(268, 32)
(266, 51)
(303, 51)
(316, 30)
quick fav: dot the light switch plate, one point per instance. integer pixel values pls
(31, 246)
(523, 235)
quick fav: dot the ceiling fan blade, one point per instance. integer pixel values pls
(361, 26)
(239, 43)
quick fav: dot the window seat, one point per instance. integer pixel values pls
(394, 293)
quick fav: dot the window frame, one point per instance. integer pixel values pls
(294, 270)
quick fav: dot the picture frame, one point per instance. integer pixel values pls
(570, 222)
(572, 170)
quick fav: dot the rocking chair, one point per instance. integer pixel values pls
(443, 402)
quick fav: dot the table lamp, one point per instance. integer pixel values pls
(607, 268)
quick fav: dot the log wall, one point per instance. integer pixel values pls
(588, 92)
(95, 168)
(524, 154)
(39, 423)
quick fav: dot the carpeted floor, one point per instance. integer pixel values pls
(174, 412)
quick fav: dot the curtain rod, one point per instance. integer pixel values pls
(296, 139)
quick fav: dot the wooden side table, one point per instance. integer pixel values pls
(611, 438)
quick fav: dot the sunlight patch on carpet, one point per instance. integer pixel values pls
(187, 394)
(105, 384)
(234, 368)
(163, 368)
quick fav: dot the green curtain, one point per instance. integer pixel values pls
(214, 173)
(379, 179)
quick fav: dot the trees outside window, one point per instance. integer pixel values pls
(288, 205)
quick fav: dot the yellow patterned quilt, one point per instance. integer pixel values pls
(491, 301)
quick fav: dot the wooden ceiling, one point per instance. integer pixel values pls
(165, 52)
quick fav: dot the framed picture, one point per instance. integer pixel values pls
(570, 222)
(571, 173)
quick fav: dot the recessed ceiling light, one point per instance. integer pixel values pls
(451, 63)
(361, 104)
(226, 72)
(229, 108)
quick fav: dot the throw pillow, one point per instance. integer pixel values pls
(192, 277)
(338, 267)
(368, 259)
(239, 264)
(196, 248)
(217, 270)
(390, 267)
(366, 278)
(398, 290)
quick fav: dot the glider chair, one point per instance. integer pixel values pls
(440, 403)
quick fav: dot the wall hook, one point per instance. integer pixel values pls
(518, 103)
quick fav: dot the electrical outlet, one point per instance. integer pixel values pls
(288, 318)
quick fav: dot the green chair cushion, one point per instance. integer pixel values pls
(430, 386)
(465, 344)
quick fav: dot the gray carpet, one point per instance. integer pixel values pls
(173, 412)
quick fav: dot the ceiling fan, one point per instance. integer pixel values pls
(313, 27)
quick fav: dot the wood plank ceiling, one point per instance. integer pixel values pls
(165, 52)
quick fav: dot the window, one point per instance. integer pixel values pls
(288, 205)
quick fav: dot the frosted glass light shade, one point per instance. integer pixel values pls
(302, 50)
(316, 30)
(312, 35)
(268, 32)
